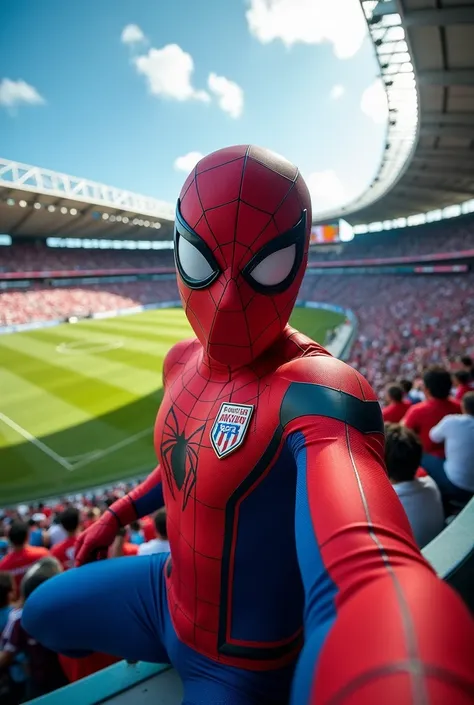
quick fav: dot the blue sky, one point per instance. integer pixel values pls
(123, 91)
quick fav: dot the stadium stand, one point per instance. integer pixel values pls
(405, 323)
(38, 257)
(431, 239)
(42, 303)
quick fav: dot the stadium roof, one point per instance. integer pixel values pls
(439, 167)
(38, 202)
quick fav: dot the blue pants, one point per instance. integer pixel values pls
(435, 468)
(119, 607)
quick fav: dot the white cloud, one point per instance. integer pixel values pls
(15, 93)
(230, 95)
(169, 72)
(188, 161)
(326, 189)
(374, 102)
(132, 34)
(337, 92)
(340, 22)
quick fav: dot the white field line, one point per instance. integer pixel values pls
(95, 455)
(85, 458)
(81, 456)
(36, 442)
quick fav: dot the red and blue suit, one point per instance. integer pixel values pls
(293, 570)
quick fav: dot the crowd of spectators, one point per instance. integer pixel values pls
(408, 242)
(39, 258)
(43, 303)
(36, 543)
(405, 323)
(430, 447)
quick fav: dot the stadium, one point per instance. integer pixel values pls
(90, 307)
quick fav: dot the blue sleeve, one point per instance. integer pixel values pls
(320, 590)
(150, 502)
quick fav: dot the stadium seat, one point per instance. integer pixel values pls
(451, 553)
(121, 684)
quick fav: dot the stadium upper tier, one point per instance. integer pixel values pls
(434, 239)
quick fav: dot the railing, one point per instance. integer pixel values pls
(47, 182)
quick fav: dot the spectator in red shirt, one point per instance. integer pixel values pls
(20, 556)
(65, 550)
(121, 547)
(149, 529)
(396, 407)
(463, 384)
(423, 416)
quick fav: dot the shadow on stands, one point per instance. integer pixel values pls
(451, 553)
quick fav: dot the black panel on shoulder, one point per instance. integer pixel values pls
(305, 399)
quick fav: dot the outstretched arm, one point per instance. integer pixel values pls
(380, 627)
(94, 542)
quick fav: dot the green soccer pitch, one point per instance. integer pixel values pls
(78, 402)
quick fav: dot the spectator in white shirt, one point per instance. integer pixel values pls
(420, 497)
(456, 480)
(160, 544)
(56, 533)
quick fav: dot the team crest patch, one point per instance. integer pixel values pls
(229, 428)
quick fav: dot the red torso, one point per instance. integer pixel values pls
(198, 492)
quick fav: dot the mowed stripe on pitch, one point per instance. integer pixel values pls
(45, 415)
(26, 403)
(132, 381)
(105, 399)
(138, 353)
(37, 366)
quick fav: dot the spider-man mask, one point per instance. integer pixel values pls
(241, 245)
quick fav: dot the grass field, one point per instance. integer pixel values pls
(78, 402)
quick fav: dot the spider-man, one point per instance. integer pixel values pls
(280, 513)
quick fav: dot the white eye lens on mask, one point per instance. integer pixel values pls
(193, 263)
(275, 268)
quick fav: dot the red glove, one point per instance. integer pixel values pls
(94, 542)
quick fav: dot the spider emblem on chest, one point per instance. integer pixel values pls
(180, 454)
